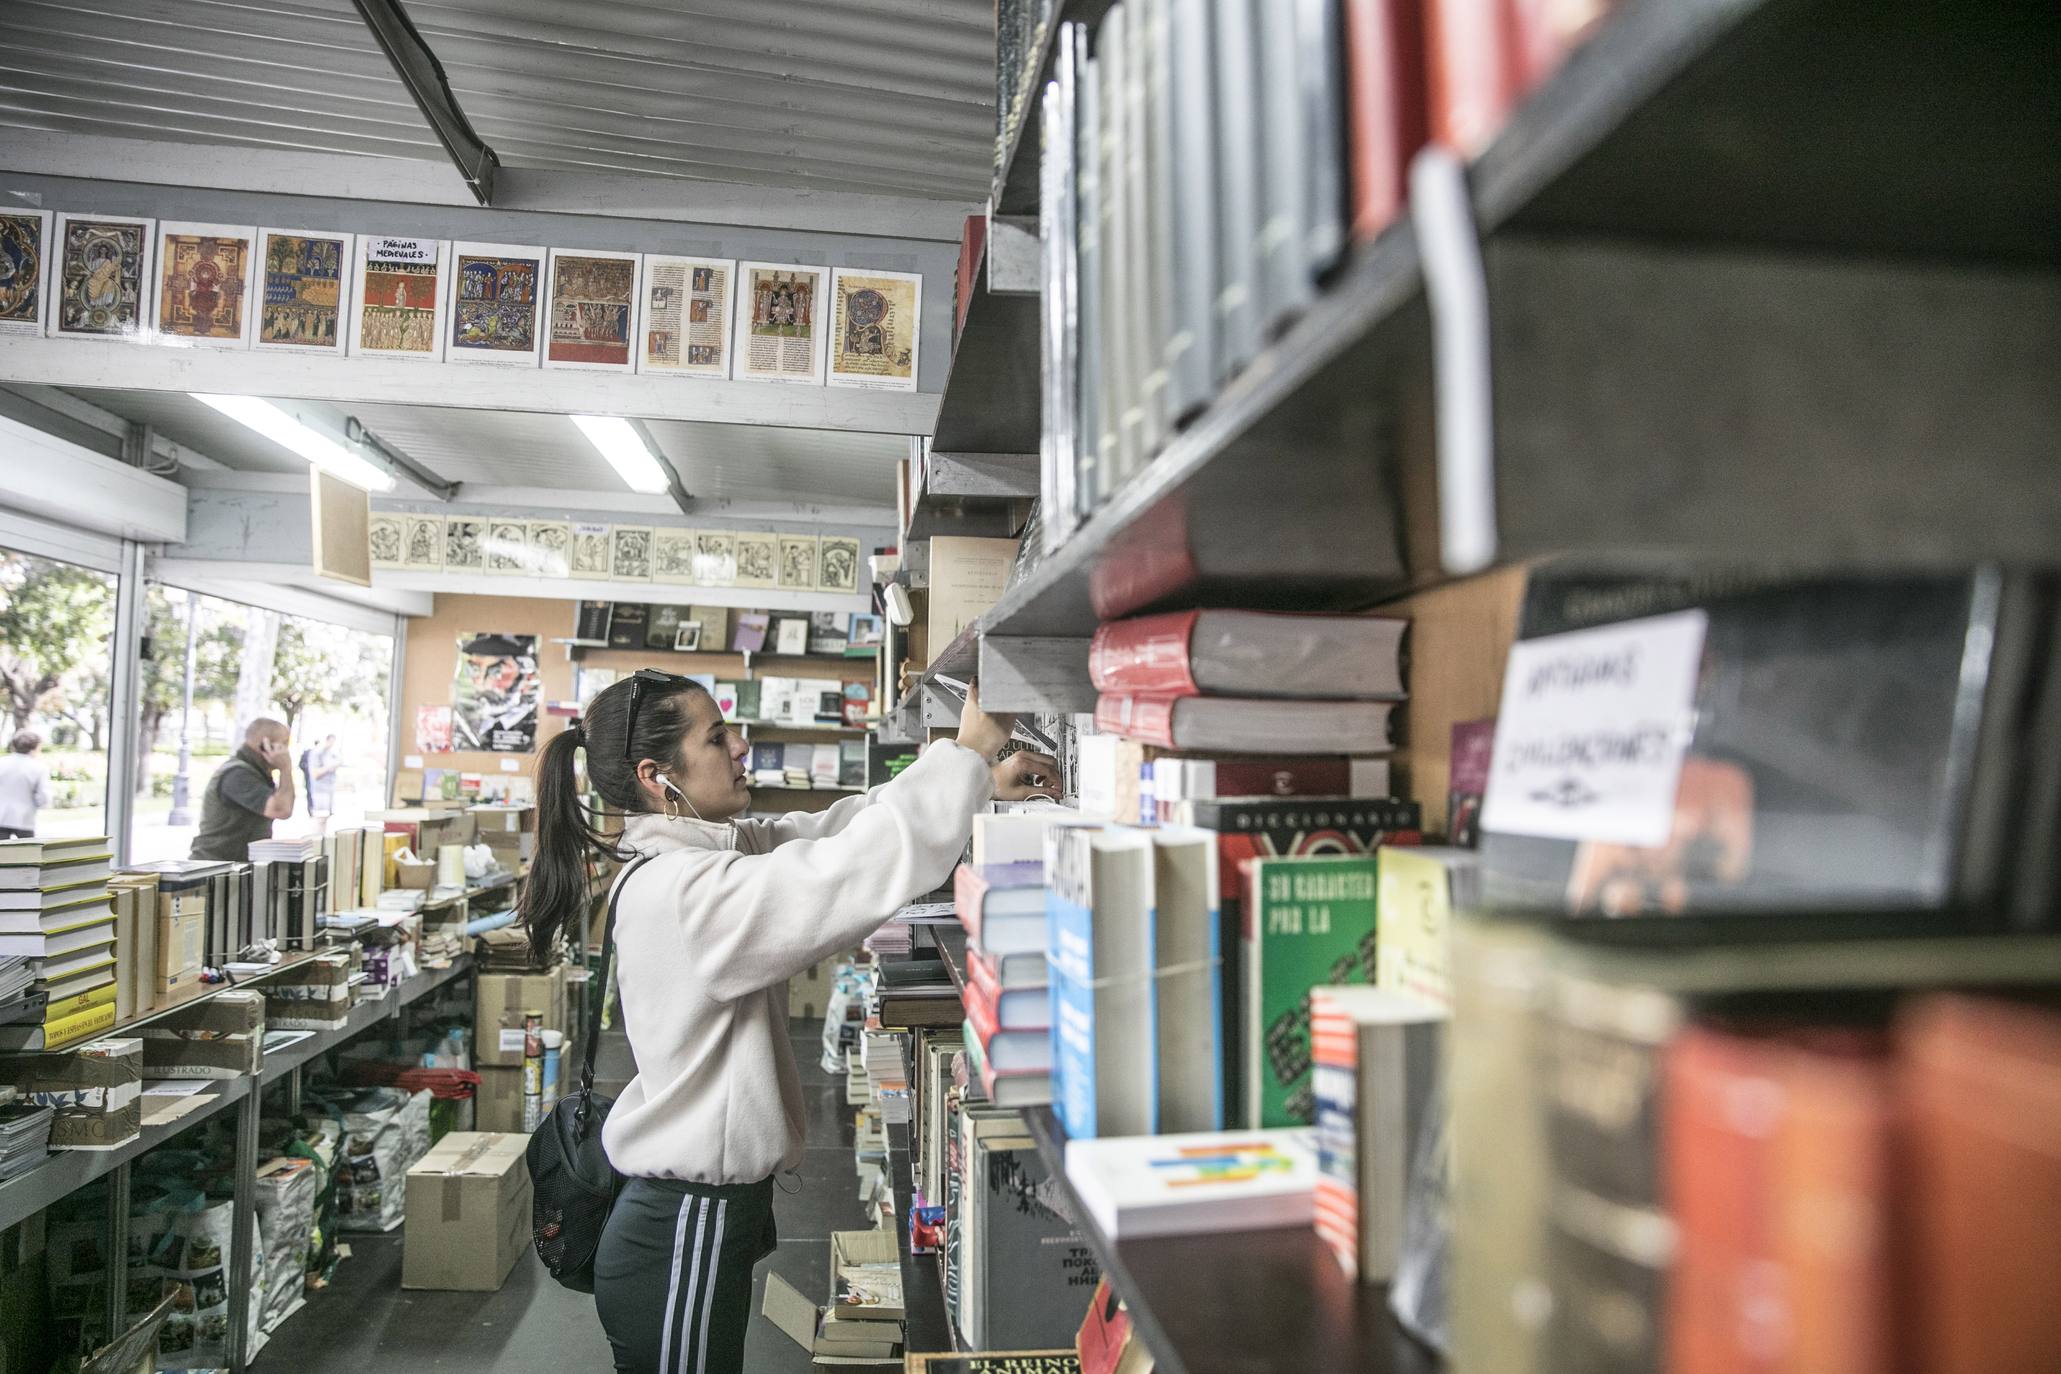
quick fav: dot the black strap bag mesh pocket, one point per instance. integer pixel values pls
(574, 1184)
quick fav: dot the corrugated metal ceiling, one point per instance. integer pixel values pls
(516, 449)
(883, 96)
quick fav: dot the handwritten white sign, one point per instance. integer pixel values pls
(400, 250)
(1593, 728)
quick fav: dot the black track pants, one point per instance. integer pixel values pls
(672, 1279)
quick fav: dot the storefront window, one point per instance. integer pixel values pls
(327, 684)
(56, 655)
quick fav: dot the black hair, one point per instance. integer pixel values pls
(554, 900)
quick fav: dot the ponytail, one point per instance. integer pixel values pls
(554, 900)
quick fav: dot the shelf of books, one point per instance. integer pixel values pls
(1542, 593)
(926, 1328)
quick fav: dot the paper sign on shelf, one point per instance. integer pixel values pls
(1593, 728)
(411, 761)
(511, 1041)
(511, 765)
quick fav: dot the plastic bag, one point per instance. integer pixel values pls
(385, 1131)
(286, 1193)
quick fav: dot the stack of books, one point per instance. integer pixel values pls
(290, 890)
(1008, 993)
(24, 1138)
(887, 1078)
(55, 916)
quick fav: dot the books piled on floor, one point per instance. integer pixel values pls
(56, 917)
(1204, 164)
(24, 1138)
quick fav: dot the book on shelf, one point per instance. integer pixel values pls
(1187, 1045)
(1090, 485)
(829, 633)
(1009, 837)
(1374, 1056)
(725, 694)
(856, 706)
(1107, 1342)
(71, 939)
(1001, 906)
(748, 631)
(789, 636)
(1021, 1006)
(1839, 743)
(1007, 1050)
(823, 765)
(1111, 56)
(1059, 272)
(1310, 921)
(626, 622)
(1282, 274)
(1467, 772)
(995, 1362)
(973, 238)
(590, 623)
(1250, 653)
(1099, 913)
(1006, 1088)
(1240, 200)
(1386, 106)
(1248, 725)
(1033, 1270)
(1978, 1082)
(1420, 886)
(37, 907)
(1134, 782)
(662, 626)
(1194, 1182)
(967, 576)
(1254, 827)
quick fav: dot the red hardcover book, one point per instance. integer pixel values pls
(1014, 1009)
(1250, 654)
(973, 240)
(1248, 725)
(1006, 1051)
(1979, 1083)
(1107, 1343)
(1779, 1178)
(1387, 106)
(1472, 59)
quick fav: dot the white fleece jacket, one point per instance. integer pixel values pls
(709, 931)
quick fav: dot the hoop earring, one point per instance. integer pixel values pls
(672, 811)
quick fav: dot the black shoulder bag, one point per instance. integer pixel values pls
(575, 1185)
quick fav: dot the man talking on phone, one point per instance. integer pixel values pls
(247, 793)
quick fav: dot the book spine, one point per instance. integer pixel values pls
(1147, 655)
(1334, 1055)
(80, 1025)
(968, 892)
(1147, 719)
(1386, 101)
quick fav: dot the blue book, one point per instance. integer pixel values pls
(1098, 913)
(767, 758)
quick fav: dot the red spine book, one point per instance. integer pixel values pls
(1471, 47)
(983, 984)
(1979, 1082)
(973, 241)
(1148, 719)
(1149, 654)
(1385, 93)
(980, 1015)
(969, 890)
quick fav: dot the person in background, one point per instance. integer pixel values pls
(24, 786)
(243, 798)
(708, 932)
(322, 769)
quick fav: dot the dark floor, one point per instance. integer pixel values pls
(364, 1321)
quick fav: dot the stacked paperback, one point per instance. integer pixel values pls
(55, 916)
(24, 1138)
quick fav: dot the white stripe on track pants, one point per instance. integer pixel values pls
(672, 1279)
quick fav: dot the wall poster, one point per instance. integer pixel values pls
(496, 298)
(779, 314)
(875, 320)
(686, 326)
(302, 286)
(24, 270)
(592, 311)
(495, 694)
(398, 295)
(103, 277)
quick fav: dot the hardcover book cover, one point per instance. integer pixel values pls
(1036, 1269)
(1309, 923)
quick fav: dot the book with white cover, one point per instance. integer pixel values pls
(1177, 1185)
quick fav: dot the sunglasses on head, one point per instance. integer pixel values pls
(653, 682)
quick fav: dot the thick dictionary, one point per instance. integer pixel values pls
(1250, 654)
(1247, 725)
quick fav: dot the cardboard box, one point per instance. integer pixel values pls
(497, 1102)
(314, 996)
(826, 1332)
(182, 928)
(96, 1089)
(468, 1213)
(408, 785)
(499, 1001)
(511, 820)
(223, 1037)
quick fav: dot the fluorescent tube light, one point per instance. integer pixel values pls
(618, 441)
(256, 413)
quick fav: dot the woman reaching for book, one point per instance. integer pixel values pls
(709, 929)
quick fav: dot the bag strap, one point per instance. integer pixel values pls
(600, 994)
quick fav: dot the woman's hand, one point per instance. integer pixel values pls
(1026, 774)
(984, 734)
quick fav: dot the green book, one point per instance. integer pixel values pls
(748, 700)
(1310, 923)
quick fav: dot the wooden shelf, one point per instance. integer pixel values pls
(1243, 1301)
(1691, 153)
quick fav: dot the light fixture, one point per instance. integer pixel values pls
(618, 441)
(256, 413)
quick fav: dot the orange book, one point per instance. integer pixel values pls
(1979, 1082)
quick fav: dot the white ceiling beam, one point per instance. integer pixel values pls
(46, 476)
(650, 593)
(95, 363)
(559, 503)
(292, 589)
(420, 181)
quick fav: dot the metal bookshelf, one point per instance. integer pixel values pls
(1689, 155)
